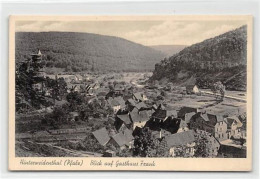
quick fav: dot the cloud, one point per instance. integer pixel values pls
(179, 33)
(144, 32)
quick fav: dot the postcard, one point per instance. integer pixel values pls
(130, 93)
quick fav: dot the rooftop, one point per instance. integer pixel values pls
(139, 116)
(182, 138)
(102, 136)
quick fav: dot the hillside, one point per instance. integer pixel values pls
(220, 58)
(85, 51)
(169, 50)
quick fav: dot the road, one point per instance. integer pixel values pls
(226, 96)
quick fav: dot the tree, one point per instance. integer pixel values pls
(146, 145)
(219, 90)
(180, 151)
(75, 99)
(26, 76)
(60, 113)
(202, 146)
(84, 112)
(57, 87)
(92, 145)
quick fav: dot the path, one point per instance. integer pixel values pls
(226, 96)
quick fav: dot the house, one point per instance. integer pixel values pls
(67, 78)
(182, 126)
(233, 127)
(47, 92)
(186, 109)
(130, 104)
(101, 92)
(115, 105)
(179, 141)
(150, 111)
(121, 101)
(160, 134)
(73, 87)
(214, 124)
(101, 136)
(109, 153)
(73, 116)
(123, 119)
(162, 114)
(154, 107)
(171, 124)
(79, 78)
(141, 106)
(38, 86)
(122, 140)
(188, 116)
(138, 118)
(192, 89)
(139, 97)
(119, 89)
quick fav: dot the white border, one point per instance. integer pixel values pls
(125, 8)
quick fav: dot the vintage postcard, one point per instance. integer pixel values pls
(130, 93)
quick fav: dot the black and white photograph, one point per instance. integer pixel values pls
(122, 87)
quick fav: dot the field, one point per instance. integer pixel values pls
(227, 107)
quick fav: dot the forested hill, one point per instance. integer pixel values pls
(85, 51)
(222, 58)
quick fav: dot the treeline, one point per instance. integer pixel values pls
(86, 52)
(216, 59)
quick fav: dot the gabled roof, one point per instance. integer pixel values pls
(125, 118)
(160, 114)
(39, 52)
(211, 119)
(154, 106)
(79, 76)
(183, 124)
(205, 116)
(139, 116)
(150, 112)
(161, 106)
(171, 113)
(120, 100)
(138, 96)
(188, 116)
(186, 109)
(101, 90)
(119, 87)
(132, 102)
(215, 118)
(102, 136)
(123, 138)
(231, 119)
(140, 105)
(190, 87)
(182, 138)
(112, 102)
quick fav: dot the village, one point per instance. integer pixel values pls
(126, 115)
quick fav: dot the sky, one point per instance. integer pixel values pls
(158, 32)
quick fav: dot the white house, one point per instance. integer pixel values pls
(192, 89)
